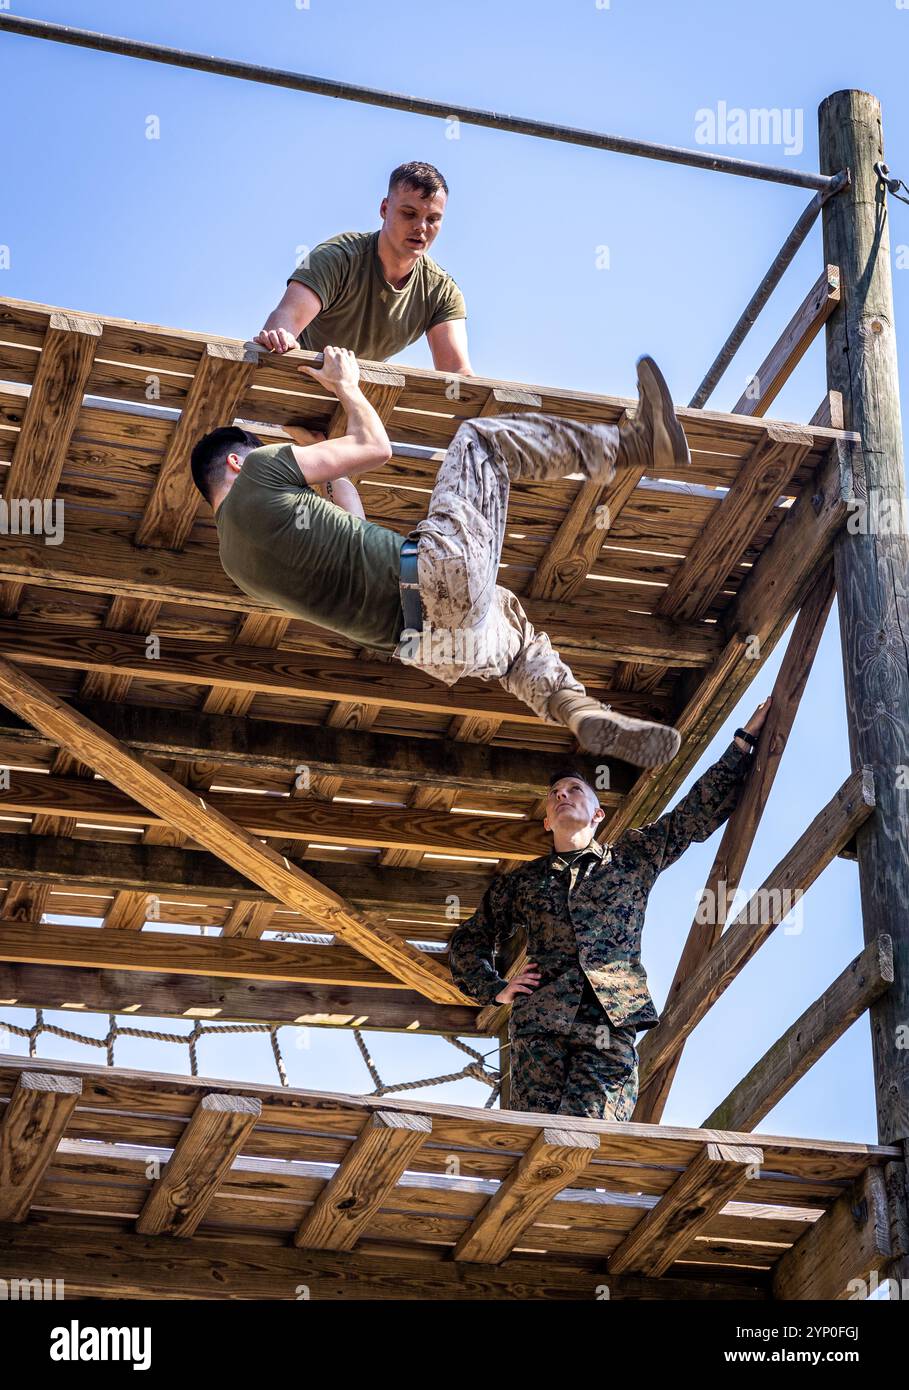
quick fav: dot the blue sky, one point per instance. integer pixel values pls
(200, 228)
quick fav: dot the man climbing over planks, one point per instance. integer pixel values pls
(432, 599)
(582, 996)
(377, 292)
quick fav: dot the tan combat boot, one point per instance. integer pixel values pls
(602, 731)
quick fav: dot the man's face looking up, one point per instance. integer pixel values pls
(411, 221)
(571, 806)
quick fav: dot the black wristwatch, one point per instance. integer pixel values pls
(749, 738)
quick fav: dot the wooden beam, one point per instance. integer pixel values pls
(789, 349)
(222, 376)
(818, 1028)
(195, 1170)
(548, 1166)
(741, 828)
(35, 1119)
(733, 524)
(100, 560)
(292, 1112)
(363, 1182)
(296, 818)
(872, 566)
(850, 1240)
(764, 911)
(165, 994)
(267, 746)
(576, 545)
(286, 673)
(695, 1198)
(189, 813)
(108, 1260)
(164, 869)
(62, 370)
(232, 957)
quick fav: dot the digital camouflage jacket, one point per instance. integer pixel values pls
(588, 917)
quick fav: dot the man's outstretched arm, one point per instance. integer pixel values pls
(364, 445)
(707, 805)
(298, 306)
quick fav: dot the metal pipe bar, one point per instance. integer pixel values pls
(781, 261)
(322, 86)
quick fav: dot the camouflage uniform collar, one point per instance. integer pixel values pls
(561, 859)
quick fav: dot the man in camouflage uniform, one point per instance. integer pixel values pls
(472, 626)
(431, 599)
(583, 995)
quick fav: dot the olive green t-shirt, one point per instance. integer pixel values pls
(284, 544)
(361, 310)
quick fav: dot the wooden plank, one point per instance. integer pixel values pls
(103, 1258)
(222, 836)
(234, 957)
(812, 1034)
(98, 559)
(577, 544)
(171, 871)
(208, 1146)
(741, 828)
(165, 994)
(222, 376)
(293, 1111)
(297, 818)
(363, 1182)
(792, 344)
(35, 1119)
(796, 871)
(285, 673)
(548, 1166)
(731, 528)
(62, 370)
(696, 1197)
(261, 747)
(848, 1242)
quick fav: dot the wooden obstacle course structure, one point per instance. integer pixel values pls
(181, 754)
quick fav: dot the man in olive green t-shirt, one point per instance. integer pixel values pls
(378, 292)
(321, 560)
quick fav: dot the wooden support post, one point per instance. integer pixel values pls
(387, 1143)
(849, 1242)
(196, 1168)
(872, 566)
(36, 1116)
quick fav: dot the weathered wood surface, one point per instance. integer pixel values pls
(872, 563)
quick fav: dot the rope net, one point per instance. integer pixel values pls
(475, 1069)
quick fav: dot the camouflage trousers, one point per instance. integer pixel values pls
(591, 1071)
(472, 626)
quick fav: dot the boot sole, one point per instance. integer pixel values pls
(648, 745)
(669, 440)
